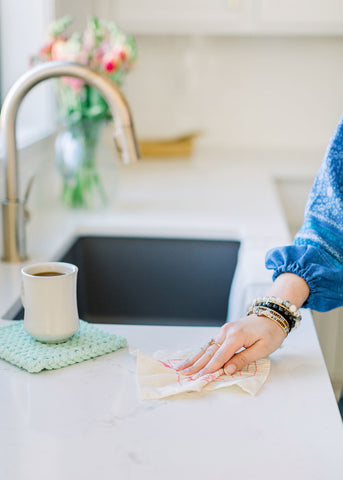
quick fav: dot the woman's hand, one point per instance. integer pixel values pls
(258, 335)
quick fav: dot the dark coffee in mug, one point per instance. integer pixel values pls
(47, 274)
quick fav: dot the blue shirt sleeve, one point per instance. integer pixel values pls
(320, 270)
(317, 251)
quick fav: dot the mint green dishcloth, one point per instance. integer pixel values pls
(20, 349)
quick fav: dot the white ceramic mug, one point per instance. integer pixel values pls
(49, 298)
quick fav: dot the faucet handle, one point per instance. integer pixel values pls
(126, 143)
(117, 143)
(27, 215)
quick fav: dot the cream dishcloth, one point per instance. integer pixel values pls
(157, 377)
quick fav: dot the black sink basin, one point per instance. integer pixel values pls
(153, 281)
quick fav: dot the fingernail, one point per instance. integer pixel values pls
(230, 369)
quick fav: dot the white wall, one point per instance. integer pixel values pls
(23, 25)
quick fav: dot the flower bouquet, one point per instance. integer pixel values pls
(82, 110)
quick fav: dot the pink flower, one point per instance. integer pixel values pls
(74, 83)
(110, 66)
(45, 51)
(96, 59)
(120, 52)
(110, 62)
(58, 50)
(101, 46)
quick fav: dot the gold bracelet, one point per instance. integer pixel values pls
(276, 317)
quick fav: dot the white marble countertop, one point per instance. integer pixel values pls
(87, 419)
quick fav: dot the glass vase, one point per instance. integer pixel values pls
(76, 149)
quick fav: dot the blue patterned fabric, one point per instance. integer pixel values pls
(317, 251)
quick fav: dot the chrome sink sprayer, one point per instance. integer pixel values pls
(13, 209)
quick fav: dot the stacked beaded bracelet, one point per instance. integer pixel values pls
(289, 313)
(267, 312)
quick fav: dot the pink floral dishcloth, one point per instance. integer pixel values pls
(157, 377)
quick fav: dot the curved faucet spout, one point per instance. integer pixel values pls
(124, 136)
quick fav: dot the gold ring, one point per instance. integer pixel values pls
(218, 344)
(208, 344)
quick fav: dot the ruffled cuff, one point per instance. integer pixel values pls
(322, 273)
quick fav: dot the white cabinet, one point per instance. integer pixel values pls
(218, 17)
(183, 16)
(300, 17)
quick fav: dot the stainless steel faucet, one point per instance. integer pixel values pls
(13, 209)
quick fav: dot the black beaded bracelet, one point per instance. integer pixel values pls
(282, 307)
(282, 310)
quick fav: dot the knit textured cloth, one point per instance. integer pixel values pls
(20, 349)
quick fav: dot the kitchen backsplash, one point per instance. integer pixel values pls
(251, 93)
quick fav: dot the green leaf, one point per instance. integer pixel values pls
(56, 28)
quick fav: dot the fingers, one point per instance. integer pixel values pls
(187, 363)
(204, 355)
(216, 354)
(243, 358)
(203, 360)
(225, 352)
(252, 337)
(207, 352)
